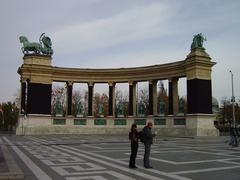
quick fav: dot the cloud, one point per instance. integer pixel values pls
(138, 23)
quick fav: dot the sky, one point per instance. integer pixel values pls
(122, 33)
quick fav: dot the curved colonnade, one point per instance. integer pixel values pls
(37, 75)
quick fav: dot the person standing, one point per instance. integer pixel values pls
(147, 140)
(133, 137)
(233, 135)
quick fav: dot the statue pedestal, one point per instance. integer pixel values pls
(59, 115)
(141, 115)
(37, 59)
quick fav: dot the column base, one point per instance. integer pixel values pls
(202, 124)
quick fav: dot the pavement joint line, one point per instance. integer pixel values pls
(199, 149)
(125, 163)
(14, 172)
(191, 162)
(204, 152)
(150, 177)
(73, 151)
(217, 154)
(92, 146)
(40, 174)
(205, 170)
(229, 162)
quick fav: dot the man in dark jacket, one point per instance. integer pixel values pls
(148, 140)
(233, 135)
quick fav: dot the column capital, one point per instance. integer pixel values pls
(69, 83)
(132, 82)
(152, 81)
(111, 83)
(90, 83)
(173, 79)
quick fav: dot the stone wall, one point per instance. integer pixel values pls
(191, 125)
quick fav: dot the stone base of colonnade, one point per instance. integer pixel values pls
(178, 126)
(202, 124)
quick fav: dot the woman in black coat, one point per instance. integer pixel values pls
(133, 136)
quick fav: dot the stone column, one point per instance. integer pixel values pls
(152, 97)
(155, 98)
(173, 96)
(199, 85)
(39, 98)
(23, 96)
(90, 98)
(170, 97)
(111, 99)
(132, 99)
(69, 98)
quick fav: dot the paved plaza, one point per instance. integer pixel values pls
(97, 157)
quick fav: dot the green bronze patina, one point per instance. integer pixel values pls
(59, 107)
(43, 47)
(120, 109)
(141, 109)
(79, 108)
(101, 109)
(198, 41)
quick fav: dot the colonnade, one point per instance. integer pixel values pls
(38, 74)
(27, 94)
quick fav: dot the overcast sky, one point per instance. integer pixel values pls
(122, 33)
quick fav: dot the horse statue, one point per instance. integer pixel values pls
(43, 47)
(198, 41)
(29, 46)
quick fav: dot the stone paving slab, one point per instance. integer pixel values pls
(101, 157)
(3, 165)
(8, 166)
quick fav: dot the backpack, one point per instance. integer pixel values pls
(141, 136)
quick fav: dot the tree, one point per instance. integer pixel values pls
(162, 97)
(225, 114)
(9, 115)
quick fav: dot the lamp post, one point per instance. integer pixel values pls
(233, 102)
